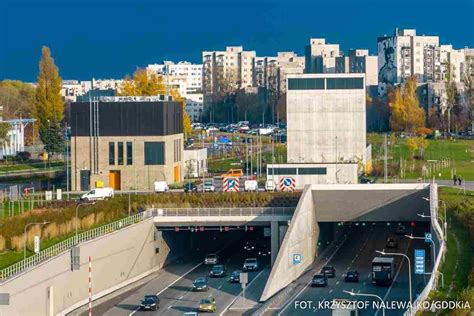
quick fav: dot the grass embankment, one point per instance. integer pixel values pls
(61, 215)
(458, 268)
(459, 151)
(30, 166)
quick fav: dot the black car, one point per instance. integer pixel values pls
(217, 271)
(329, 271)
(351, 276)
(150, 302)
(391, 242)
(249, 245)
(190, 187)
(200, 284)
(319, 280)
(235, 277)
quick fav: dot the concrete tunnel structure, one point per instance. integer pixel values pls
(340, 203)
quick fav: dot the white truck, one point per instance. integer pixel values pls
(270, 186)
(98, 194)
(161, 187)
(250, 185)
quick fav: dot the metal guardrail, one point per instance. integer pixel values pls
(69, 243)
(238, 211)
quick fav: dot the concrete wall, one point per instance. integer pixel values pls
(120, 257)
(138, 175)
(300, 238)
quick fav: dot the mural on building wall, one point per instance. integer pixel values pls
(387, 63)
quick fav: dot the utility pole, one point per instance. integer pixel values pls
(385, 173)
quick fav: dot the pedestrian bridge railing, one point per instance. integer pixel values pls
(226, 211)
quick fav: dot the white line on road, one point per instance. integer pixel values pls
(182, 276)
(235, 299)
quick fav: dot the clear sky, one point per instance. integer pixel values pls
(110, 38)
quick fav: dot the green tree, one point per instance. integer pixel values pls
(49, 109)
(17, 99)
(4, 129)
(53, 138)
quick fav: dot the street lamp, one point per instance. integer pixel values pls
(432, 242)
(77, 217)
(367, 295)
(24, 235)
(383, 253)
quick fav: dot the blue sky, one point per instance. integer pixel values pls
(108, 39)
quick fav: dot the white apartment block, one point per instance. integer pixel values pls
(71, 89)
(195, 106)
(359, 61)
(187, 75)
(227, 70)
(320, 57)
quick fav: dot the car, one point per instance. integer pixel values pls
(207, 304)
(200, 284)
(217, 271)
(98, 194)
(150, 302)
(351, 276)
(329, 271)
(392, 242)
(235, 276)
(211, 258)
(161, 186)
(401, 230)
(191, 314)
(209, 186)
(270, 186)
(250, 185)
(319, 280)
(250, 264)
(190, 187)
(262, 249)
(249, 245)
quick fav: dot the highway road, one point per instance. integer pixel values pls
(174, 286)
(356, 253)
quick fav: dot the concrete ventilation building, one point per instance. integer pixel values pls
(326, 130)
(229, 69)
(126, 142)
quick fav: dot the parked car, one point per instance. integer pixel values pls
(217, 271)
(190, 187)
(319, 280)
(235, 276)
(351, 276)
(270, 186)
(98, 194)
(200, 284)
(207, 304)
(211, 258)
(392, 242)
(250, 264)
(329, 271)
(209, 186)
(150, 302)
(250, 185)
(161, 187)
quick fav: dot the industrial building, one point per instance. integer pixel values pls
(326, 130)
(126, 142)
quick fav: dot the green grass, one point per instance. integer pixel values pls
(30, 166)
(460, 152)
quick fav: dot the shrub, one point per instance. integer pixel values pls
(23, 156)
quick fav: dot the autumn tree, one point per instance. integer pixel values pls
(406, 114)
(17, 99)
(49, 108)
(145, 84)
(4, 129)
(419, 144)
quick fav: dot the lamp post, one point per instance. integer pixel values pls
(77, 217)
(24, 235)
(367, 295)
(432, 242)
(383, 253)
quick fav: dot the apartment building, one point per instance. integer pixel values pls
(320, 57)
(185, 74)
(359, 61)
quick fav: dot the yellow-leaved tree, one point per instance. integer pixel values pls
(145, 84)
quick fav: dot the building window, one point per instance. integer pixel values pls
(345, 83)
(305, 84)
(120, 153)
(312, 171)
(111, 153)
(282, 171)
(129, 153)
(154, 153)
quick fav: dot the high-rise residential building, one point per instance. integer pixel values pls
(320, 57)
(227, 70)
(288, 63)
(359, 61)
(185, 74)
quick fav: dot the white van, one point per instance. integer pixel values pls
(98, 194)
(250, 185)
(270, 185)
(161, 187)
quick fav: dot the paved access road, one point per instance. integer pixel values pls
(356, 253)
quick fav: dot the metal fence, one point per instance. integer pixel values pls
(238, 211)
(69, 243)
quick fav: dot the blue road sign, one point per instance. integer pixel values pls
(427, 237)
(287, 182)
(296, 258)
(419, 261)
(231, 183)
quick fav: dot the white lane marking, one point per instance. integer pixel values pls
(182, 276)
(220, 287)
(181, 297)
(337, 283)
(235, 299)
(171, 306)
(331, 291)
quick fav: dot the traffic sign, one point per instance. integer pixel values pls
(428, 237)
(296, 258)
(419, 261)
(231, 184)
(244, 279)
(287, 184)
